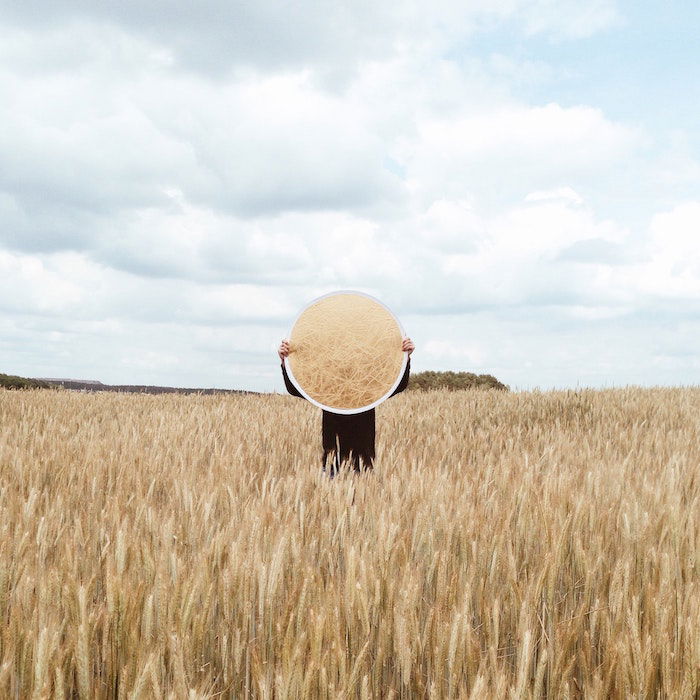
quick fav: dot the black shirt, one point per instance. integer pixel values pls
(348, 437)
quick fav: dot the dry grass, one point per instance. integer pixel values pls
(507, 546)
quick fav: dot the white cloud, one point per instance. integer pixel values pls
(27, 284)
(678, 166)
(175, 188)
(596, 313)
(213, 36)
(676, 237)
(569, 19)
(468, 354)
(71, 146)
(565, 194)
(517, 259)
(505, 152)
(569, 136)
(674, 269)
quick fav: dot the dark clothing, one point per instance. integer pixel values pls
(348, 437)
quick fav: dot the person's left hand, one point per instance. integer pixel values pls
(408, 346)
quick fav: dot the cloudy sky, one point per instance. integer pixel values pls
(519, 180)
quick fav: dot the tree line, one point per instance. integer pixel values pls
(454, 380)
(421, 381)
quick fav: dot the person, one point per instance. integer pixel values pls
(347, 438)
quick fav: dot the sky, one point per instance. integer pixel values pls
(518, 180)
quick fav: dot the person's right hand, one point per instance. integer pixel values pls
(283, 350)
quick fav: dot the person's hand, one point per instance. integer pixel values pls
(408, 346)
(283, 349)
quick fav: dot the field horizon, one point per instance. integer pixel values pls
(520, 544)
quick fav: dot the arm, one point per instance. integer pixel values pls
(283, 351)
(288, 383)
(404, 380)
(408, 347)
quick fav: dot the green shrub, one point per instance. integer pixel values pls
(454, 380)
(9, 381)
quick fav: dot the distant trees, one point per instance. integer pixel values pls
(9, 381)
(421, 381)
(453, 381)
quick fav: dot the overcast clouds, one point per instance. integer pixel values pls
(512, 177)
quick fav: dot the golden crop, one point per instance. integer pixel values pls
(508, 545)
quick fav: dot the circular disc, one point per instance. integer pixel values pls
(345, 352)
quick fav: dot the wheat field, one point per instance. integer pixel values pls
(507, 545)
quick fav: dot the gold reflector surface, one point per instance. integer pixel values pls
(345, 352)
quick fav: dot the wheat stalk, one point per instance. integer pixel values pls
(538, 544)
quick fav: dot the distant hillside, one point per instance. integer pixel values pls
(420, 381)
(92, 385)
(454, 380)
(9, 381)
